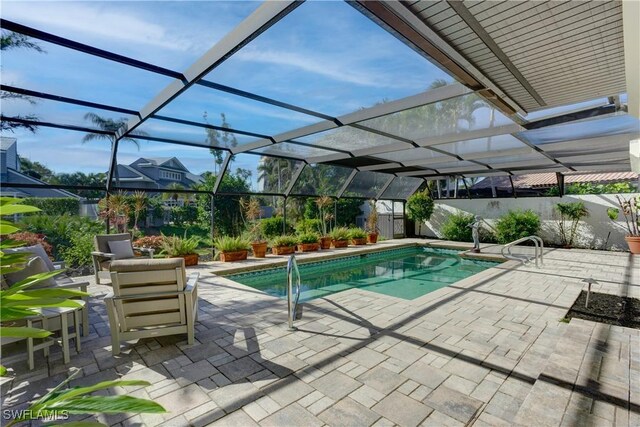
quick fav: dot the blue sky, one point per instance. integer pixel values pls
(324, 56)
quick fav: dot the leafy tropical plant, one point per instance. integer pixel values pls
(613, 213)
(230, 244)
(340, 233)
(325, 216)
(517, 224)
(420, 208)
(572, 212)
(286, 240)
(308, 238)
(252, 213)
(357, 233)
(272, 227)
(631, 210)
(179, 246)
(153, 242)
(18, 302)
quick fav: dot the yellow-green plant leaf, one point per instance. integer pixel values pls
(30, 281)
(39, 302)
(23, 332)
(8, 229)
(79, 391)
(4, 200)
(106, 404)
(80, 424)
(54, 293)
(17, 209)
(3, 371)
(15, 313)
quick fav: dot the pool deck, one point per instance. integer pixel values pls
(487, 351)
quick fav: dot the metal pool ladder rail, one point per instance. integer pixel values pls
(539, 249)
(292, 300)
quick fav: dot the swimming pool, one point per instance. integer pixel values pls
(406, 273)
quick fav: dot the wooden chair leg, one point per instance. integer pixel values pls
(64, 321)
(85, 313)
(30, 361)
(76, 328)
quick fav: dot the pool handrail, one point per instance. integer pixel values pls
(292, 303)
(539, 249)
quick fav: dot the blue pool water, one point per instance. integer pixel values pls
(404, 273)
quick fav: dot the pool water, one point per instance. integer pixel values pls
(406, 273)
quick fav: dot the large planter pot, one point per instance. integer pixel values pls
(259, 249)
(309, 247)
(189, 260)
(233, 256)
(340, 243)
(283, 250)
(372, 237)
(325, 242)
(359, 242)
(634, 244)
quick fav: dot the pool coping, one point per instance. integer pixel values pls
(301, 258)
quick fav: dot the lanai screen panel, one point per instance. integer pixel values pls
(415, 156)
(353, 140)
(174, 35)
(215, 107)
(66, 158)
(453, 117)
(262, 174)
(297, 151)
(69, 73)
(148, 164)
(191, 134)
(367, 184)
(333, 66)
(481, 148)
(401, 188)
(321, 179)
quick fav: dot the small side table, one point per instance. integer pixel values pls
(49, 318)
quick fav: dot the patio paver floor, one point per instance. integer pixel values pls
(489, 350)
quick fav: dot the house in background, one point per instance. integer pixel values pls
(155, 173)
(10, 174)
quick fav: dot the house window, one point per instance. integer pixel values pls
(174, 176)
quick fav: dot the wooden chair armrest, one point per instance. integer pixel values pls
(103, 254)
(59, 265)
(192, 282)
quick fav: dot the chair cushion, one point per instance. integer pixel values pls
(122, 249)
(36, 250)
(34, 266)
(101, 241)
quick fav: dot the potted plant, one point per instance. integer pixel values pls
(181, 247)
(420, 208)
(371, 224)
(308, 242)
(631, 210)
(358, 236)
(324, 203)
(340, 237)
(253, 212)
(231, 248)
(284, 245)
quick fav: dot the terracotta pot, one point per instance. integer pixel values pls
(283, 250)
(634, 244)
(233, 256)
(359, 242)
(340, 243)
(259, 249)
(372, 237)
(189, 260)
(325, 242)
(309, 247)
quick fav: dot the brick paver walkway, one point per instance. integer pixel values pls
(489, 350)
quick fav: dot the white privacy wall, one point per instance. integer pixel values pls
(592, 232)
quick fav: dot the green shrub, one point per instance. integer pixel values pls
(59, 229)
(357, 233)
(78, 252)
(153, 242)
(305, 226)
(286, 240)
(272, 227)
(517, 224)
(178, 246)
(55, 205)
(181, 215)
(231, 244)
(458, 227)
(309, 238)
(340, 233)
(572, 212)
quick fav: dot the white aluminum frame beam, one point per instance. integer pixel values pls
(294, 178)
(384, 187)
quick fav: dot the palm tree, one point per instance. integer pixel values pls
(110, 125)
